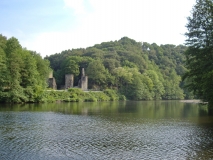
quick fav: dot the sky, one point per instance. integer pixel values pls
(52, 26)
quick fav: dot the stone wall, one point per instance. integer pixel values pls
(52, 83)
(69, 80)
(83, 83)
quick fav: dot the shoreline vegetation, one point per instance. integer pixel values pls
(139, 71)
(122, 70)
(77, 95)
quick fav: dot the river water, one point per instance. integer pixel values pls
(106, 130)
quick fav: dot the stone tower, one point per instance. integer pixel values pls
(51, 81)
(69, 80)
(50, 74)
(84, 81)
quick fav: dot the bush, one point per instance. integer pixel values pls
(91, 99)
(76, 91)
(112, 94)
(103, 97)
(77, 95)
(79, 100)
(122, 98)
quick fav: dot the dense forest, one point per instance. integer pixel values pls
(134, 70)
(140, 71)
(23, 73)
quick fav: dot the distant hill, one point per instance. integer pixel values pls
(140, 71)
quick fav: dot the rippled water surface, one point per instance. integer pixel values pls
(118, 130)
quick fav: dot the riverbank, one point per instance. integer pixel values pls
(77, 95)
(193, 101)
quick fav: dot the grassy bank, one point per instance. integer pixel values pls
(77, 95)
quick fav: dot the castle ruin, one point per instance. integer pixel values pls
(69, 81)
(51, 81)
(83, 82)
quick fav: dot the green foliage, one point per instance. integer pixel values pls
(68, 62)
(123, 69)
(71, 66)
(126, 63)
(75, 90)
(98, 75)
(199, 53)
(91, 99)
(122, 77)
(139, 88)
(158, 88)
(23, 74)
(137, 70)
(77, 95)
(111, 64)
(122, 98)
(112, 94)
(96, 96)
(72, 95)
(3, 70)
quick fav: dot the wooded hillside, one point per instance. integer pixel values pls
(140, 71)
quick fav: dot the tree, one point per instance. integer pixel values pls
(71, 67)
(172, 89)
(111, 64)
(137, 86)
(139, 70)
(158, 87)
(3, 68)
(15, 65)
(23, 74)
(97, 73)
(43, 67)
(199, 55)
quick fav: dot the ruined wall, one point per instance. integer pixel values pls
(83, 81)
(51, 74)
(52, 83)
(69, 80)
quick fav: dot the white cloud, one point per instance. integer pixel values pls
(76, 5)
(151, 21)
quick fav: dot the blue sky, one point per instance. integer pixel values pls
(51, 26)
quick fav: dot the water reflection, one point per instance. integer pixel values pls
(147, 109)
(127, 110)
(108, 130)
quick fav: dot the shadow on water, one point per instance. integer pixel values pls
(142, 109)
